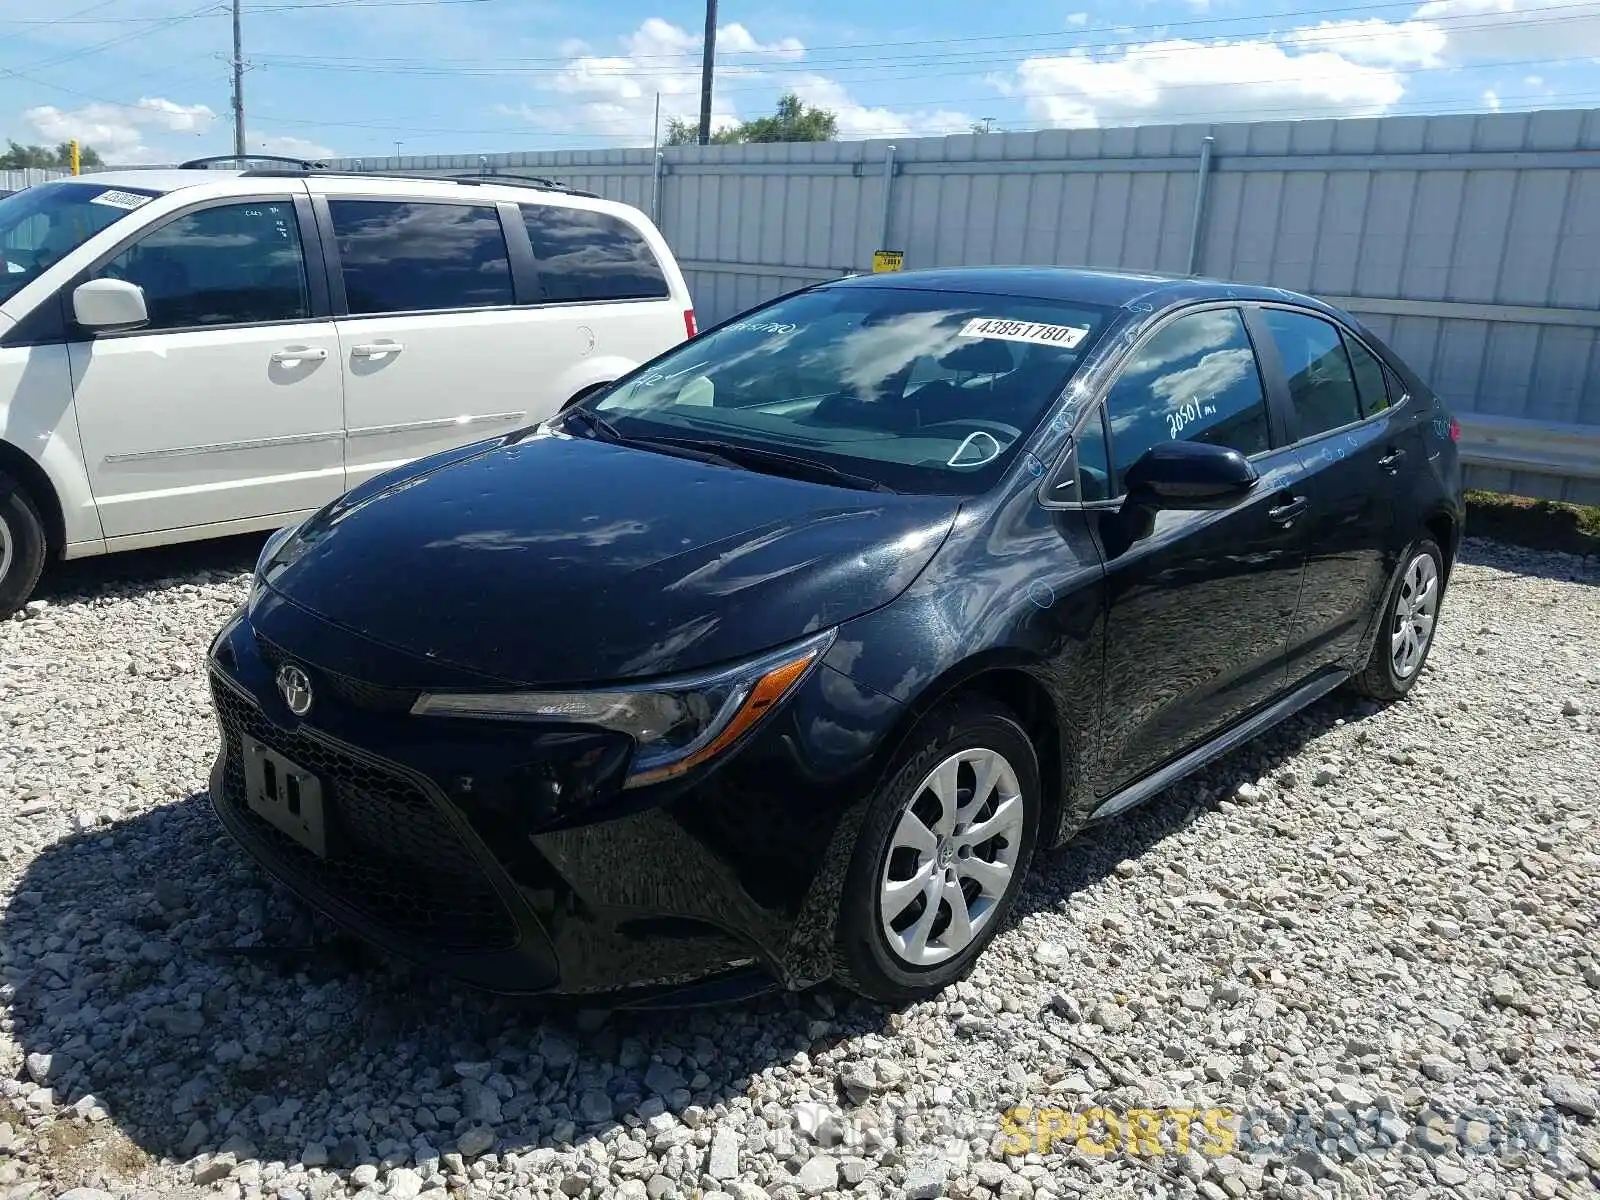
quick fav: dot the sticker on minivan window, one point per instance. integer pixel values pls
(124, 200)
(1065, 336)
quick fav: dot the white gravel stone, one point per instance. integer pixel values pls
(1412, 936)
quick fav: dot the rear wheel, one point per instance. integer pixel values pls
(22, 546)
(943, 851)
(1410, 615)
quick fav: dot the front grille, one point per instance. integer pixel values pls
(355, 692)
(393, 856)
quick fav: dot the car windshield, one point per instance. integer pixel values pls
(41, 224)
(918, 391)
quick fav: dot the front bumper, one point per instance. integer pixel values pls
(444, 847)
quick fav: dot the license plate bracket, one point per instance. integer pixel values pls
(285, 795)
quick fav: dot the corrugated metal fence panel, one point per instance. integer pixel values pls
(1470, 243)
(15, 181)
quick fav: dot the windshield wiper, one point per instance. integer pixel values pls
(607, 431)
(776, 463)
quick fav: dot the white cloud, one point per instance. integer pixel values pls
(1078, 18)
(120, 132)
(863, 121)
(1512, 30)
(292, 147)
(1382, 43)
(1491, 100)
(736, 39)
(1179, 80)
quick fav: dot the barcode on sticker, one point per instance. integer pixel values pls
(1065, 336)
(116, 199)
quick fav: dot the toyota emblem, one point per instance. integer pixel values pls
(295, 688)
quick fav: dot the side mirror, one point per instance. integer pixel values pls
(108, 304)
(1188, 475)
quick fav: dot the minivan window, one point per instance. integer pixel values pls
(585, 255)
(400, 256)
(923, 391)
(41, 224)
(235, 264)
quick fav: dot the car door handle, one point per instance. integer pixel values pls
(373, 349)
(1392, 459)
(295, 354)
(1286, 513)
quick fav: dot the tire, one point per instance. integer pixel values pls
(972, 735)
(23, 546)
(1389, 674)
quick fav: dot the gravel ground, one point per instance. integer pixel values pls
(1368, 943)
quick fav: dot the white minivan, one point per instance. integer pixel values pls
(197, 352)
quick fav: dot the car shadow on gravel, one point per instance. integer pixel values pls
(141, 570)
(151, 966)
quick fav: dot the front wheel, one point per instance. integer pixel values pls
(943, 850)
(1410, 615)
(22, 546)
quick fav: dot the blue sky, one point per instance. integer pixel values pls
(147, 80)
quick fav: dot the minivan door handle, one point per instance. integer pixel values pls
(373, 349)
(1391, 461)
(296, 354)
(1285, 514)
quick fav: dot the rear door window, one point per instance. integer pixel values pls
(586, 255)
(404, 256)
(1321, 386)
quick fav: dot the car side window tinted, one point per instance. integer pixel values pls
(1372, 381)
(1195, 380)
(235, 264)
(1094, 468)
(585, 255)
(1322, 389)
(399, 256)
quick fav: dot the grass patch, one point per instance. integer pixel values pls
(1536, 524)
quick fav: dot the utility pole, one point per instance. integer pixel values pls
(707, 63)
(238, 84)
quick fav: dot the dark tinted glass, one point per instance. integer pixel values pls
(1371, 379)
(405, 257)
(1321, 387)
(1195, 380)
(927, 391)
(237, 264)
(586, 255)
(1094, 470)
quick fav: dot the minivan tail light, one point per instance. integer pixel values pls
(1455, 430)
(688, 323)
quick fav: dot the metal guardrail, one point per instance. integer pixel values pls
(1544, 447)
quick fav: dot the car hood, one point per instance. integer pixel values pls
(559, 560)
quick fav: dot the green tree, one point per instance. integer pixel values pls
(794, 121)
(19, 157)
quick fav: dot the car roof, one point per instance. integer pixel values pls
(1112, 289)
(172, 179)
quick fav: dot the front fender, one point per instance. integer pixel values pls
(37, 419)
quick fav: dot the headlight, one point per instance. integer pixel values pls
(273, 544)
(676, 724)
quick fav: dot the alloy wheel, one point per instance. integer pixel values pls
(1416, 609)
(952, 858)
(7, 549)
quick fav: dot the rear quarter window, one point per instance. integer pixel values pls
(586, 255)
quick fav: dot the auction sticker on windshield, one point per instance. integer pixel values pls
(1065, 336)
(116, 199)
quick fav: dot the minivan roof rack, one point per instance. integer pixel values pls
(202, 164)
(300, 168)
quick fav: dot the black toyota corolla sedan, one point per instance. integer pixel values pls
(780, 659)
